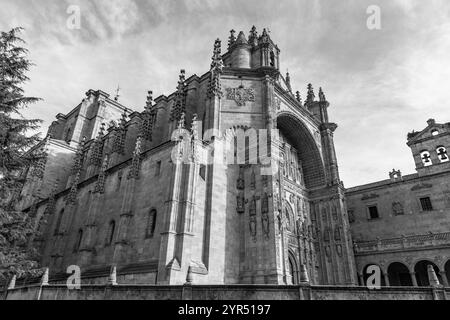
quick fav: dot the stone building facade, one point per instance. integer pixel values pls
(403, 224)
(231, 179)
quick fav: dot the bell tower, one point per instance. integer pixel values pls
(430, 148)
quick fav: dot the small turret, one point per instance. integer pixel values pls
(240, 52)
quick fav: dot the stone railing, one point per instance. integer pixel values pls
(416, 241)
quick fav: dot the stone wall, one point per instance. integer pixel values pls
(224, 292)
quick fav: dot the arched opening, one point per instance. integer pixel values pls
(367, 274)
(421, 270)
(293, 270)
(447, 270)
(442, 154)
(296, 134)
(426, 158)
(399, 275)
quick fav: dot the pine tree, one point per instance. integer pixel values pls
(17, 256)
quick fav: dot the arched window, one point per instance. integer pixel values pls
(421, 271)
(442, 154)
(426, 158)
(110, 234)
(77, 245)
(399, 275)
(151, 223)
(58, 222)
(434, 132)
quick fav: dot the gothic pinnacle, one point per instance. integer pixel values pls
(321, 95)
(232, 38)
(288, 81)
(149, 103)
(298, 97)
(310, 96)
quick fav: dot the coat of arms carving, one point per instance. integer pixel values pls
(241, 95)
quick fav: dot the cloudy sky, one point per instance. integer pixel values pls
(381, 83)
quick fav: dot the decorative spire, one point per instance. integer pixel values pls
(253, 37)
(310, 97)
(116, 97)
(214, 88)
(195, 137)
(231, 39)
(97, 148)
(79, 156)
(148, 118)
(322, 97)
(179, 106)
(149, 102)
(120, 135)
(298, 97)
(288, 81)
(136, 162)
(100, 185)
(39, 168)
(49, 209)
(264, 37)
(76, 171)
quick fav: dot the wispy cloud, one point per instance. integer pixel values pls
(381, 83)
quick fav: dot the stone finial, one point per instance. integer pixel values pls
(298, 97)
(431, 122)
(179, 104)
(45, 277)
(136, 160)
(288, 81)
(100, 184)
(264, 37)
(322, 97)
(116, 97)
(253, 37)
(149, 102)
(12, 283)
(189, 276)
(395, 174)
(303, 274)
(214, 86)
(432, 277)
(232, 38)
(112, 280)
(310, 96)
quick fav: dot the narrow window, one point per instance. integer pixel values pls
(151, 223)
(58, 222)
(442, 154)
(119, 180)
(110, 234)
(203, 172)
(373, 212)
(158, 169)
(77, 246)
(426, 159)
(272, 59)
(426, 204)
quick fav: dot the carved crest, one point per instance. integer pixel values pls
(241, 95)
